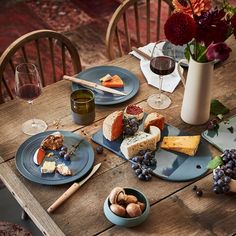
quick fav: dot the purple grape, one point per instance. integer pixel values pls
(62, 153)
(64, 148)
(67, 157)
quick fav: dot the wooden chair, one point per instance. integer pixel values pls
(136, 23)
(53, 53)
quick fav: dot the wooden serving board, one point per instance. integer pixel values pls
(170, 165)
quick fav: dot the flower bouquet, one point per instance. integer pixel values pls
(202, 28)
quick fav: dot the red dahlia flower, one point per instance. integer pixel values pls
(180, 28)
(212, 27)
(218, 51)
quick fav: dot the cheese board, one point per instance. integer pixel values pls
(224, 137)
(170, 165)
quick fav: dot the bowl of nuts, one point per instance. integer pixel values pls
(126, 207)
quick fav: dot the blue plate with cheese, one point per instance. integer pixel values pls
(131, 84)
(170, 165)
(80, 163)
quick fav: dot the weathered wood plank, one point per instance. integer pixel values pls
(184, 213)
(25, 198)
(86, 206)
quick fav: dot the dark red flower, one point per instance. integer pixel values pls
(233, 23)
(180, 28)
(218, 51)
(212, 27)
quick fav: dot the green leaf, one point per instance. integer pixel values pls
(218, 108)
(217, 161)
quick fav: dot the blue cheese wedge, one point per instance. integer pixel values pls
(48, 167)
(140, 141)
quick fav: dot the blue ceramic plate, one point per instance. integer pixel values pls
(80, 164)
(131, 84)
(170, 165)
(224, 137)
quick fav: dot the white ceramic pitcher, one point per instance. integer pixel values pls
(197, 95)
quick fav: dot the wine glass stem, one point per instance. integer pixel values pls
(160, 88)
(31, 113)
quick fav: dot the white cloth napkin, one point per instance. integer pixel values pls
(169, 81)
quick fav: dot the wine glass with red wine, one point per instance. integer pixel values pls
(28, 87)
(163, 63)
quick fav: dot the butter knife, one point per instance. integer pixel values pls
(93, 85)
(73, 188)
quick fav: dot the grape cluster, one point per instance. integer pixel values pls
(223, 175)
(131, 126)
(142, 163)
(64, 153)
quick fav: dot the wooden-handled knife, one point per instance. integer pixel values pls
(93, 85)
(73, 188)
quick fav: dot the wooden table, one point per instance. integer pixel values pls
(175, 209)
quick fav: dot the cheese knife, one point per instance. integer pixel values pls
(93, 85)
(73, 188)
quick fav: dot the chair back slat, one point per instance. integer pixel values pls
(127, 34)
(145, 17)
(12, 66)
(24, 54)
(137, 20)
(39, 62)
(63, 58)
(148, 30)
(52, 58)
(119, 43)
(158, 20)
(43, 48)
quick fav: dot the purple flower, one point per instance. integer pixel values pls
(218, 51)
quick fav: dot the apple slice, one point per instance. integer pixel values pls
(39, 156)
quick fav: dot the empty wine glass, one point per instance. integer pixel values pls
(163, 63)
(28, 87)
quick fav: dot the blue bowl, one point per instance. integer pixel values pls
(127, 221)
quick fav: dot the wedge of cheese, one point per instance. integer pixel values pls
(113, 125)
(183, 144)
(114, 82)
(140, 141)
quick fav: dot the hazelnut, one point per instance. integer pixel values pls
(116, 195)
(130, 199)
(118, 209)
(142, 206)
(133, 210)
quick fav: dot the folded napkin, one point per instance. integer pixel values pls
(169, 81)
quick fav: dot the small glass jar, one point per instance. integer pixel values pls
(83, 106)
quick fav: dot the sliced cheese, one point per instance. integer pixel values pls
(48, 167)
(183, 144)
(156, 132)
(115, 82)
(140, 141)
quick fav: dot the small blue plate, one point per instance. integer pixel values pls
(80, 164)
(223, 138)
(170, 165)
(131, 84)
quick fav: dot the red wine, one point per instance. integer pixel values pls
(29, 92)
(162, 65)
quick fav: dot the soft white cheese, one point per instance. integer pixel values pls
(48, 167)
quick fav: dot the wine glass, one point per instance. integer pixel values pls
(163, 63)
(28, 87)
